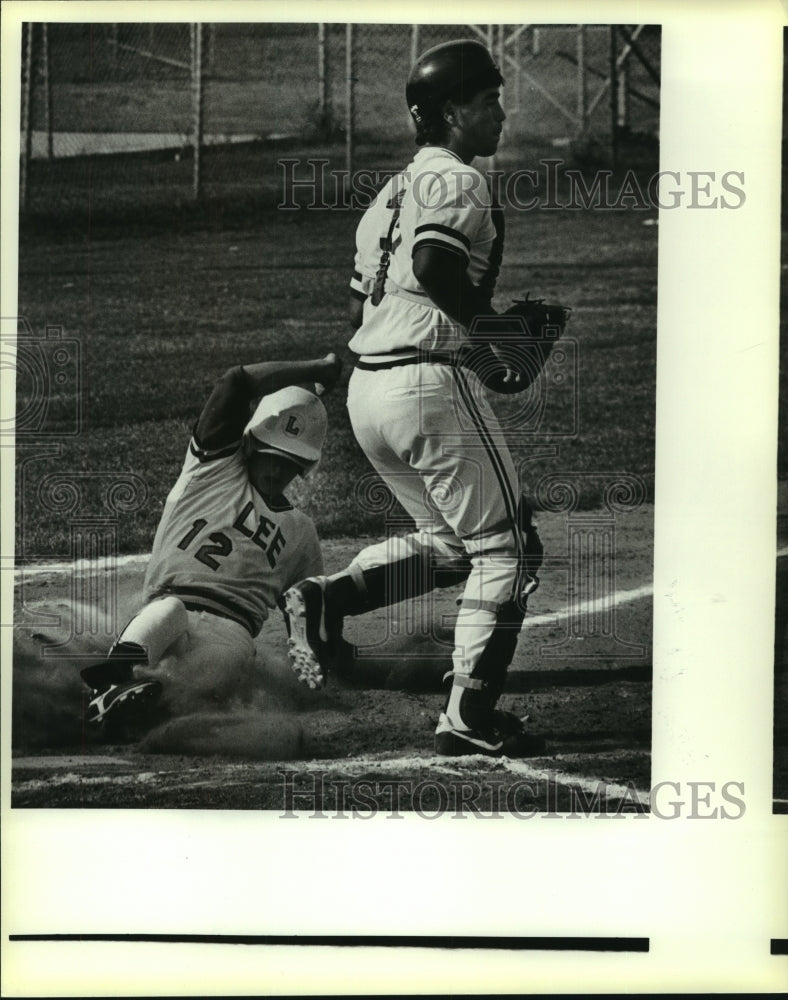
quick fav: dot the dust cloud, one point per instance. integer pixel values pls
(249, 717)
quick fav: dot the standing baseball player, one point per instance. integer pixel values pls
(229, 544)
(428, 252)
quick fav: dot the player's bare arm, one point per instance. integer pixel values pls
(444, 277)
(355, 312)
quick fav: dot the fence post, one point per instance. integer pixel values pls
(414, 44)
(197, 98)
(46, 72)
(350, 111)
(623, 95)
(582, 93)
(113, 47)
(321, 72)
(210, 49)
(325, 103)
(613, 96)
(27, 115)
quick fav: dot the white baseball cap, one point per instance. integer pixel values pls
(291, 422)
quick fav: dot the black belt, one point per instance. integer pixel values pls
(426, 358)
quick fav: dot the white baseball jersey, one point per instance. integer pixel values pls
(436, 201)
(221, 547)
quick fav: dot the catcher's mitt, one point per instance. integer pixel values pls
(511, 349)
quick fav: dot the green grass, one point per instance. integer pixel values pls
(159, 306)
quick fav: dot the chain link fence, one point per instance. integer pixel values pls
(146, 104)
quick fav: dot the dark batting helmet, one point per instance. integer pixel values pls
(454, 71)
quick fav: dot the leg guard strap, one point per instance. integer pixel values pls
(463, 681)
(472, 604)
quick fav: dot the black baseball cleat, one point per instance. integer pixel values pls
(118, 668)
(309, 648)
(505, 737)
(123, 703)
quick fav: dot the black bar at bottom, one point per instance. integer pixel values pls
(634, 944)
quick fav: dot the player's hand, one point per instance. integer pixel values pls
(329, 370)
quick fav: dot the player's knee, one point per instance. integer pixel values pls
(172, 611)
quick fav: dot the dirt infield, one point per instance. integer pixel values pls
(588, 692)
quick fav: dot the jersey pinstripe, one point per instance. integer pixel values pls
(436, 201)
(222, 546)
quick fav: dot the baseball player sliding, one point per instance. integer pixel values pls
(428, 252)
(228, 544)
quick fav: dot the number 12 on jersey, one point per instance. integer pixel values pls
(222, 546)
(265, 535)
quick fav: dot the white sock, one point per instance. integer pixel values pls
(157, 626)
